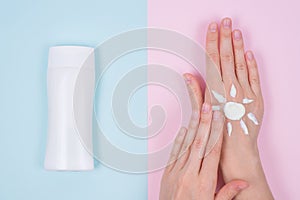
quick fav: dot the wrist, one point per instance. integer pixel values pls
(244, 164)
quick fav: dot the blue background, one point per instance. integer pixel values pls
(28, 29)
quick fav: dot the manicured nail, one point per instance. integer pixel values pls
(205, 108)
(213, 27)
(227, 23)
(237, 35)
(217, 115)
(249, 55)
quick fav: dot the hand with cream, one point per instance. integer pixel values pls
(242, 106)
(192, 173)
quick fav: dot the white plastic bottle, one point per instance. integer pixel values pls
(69, 141)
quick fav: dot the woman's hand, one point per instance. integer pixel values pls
(240, 157)
(190, 174)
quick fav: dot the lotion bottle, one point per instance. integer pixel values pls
(69, 144)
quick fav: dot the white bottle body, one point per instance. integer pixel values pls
(69, 142)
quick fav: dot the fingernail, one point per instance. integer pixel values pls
(242, 186)
(249, 55)
(227, 23)
(217, 115)
(205, 108)
(213, 27)
(237, 35)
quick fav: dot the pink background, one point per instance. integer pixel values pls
(271, 29)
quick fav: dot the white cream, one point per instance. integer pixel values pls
(234, 111)
(214, 108)
(244, 127)
(229, 128)
(233, 91)
(252, 117)
(247, 101)
(219, 97)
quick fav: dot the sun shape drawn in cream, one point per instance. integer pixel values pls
(234, 111)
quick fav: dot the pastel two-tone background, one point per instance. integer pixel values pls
(29, 28)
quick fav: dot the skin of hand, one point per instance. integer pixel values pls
(190, 175)
(240, 157)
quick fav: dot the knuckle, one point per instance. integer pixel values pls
(227, 57)
(253, 67)
(195, 92)
(198, 143)
(240, 66)
(214, 55)
(178, 140)
(205, 119)
(184, 149)
(180, 137)
(216, 150)
(254, 80)
(252, 64)
(173, 156)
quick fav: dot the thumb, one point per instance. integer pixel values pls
(231, 189)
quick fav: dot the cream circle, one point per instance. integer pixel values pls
(234, 111)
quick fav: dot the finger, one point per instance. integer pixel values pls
(212, 49)
(210, 164)
(196, 101)
(200, 141)
(226, 52)
(253, 73)
(176, 148)
(231, 189)
(213, 71)
(240, 62)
